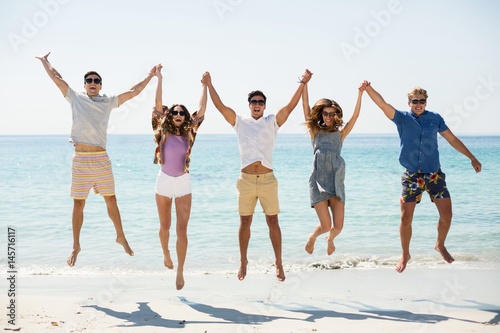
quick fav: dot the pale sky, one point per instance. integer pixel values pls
(451, 48)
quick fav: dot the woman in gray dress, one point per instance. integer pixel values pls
(326, 185)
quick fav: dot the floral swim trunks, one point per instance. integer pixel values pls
(415, 183)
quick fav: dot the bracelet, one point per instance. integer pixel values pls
(300, 80)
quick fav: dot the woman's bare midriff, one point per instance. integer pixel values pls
(256, 168)
(87, 148)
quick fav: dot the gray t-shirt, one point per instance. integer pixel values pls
(90, 117)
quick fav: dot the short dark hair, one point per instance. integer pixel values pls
(256, 93)
(91, 73)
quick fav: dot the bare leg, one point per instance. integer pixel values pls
(405, 232)
(444, 224)
(325, 224)
(183, 210)
(77, 223)
(164, 206)
(114, 215)
(244, 239)
(275, 235)
(337, 208)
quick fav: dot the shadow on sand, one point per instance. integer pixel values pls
(145, 316)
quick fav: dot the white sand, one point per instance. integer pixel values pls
(350, 300)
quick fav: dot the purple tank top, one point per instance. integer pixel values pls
(174, 155)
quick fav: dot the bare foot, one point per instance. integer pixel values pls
(331, 247)
(445, 254)
(123, 242)
(243, 270)
(310, 245)
(167, 260)
(280, 273)
(72, 256)
(400, 267)
(179, 281)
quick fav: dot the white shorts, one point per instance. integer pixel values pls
(173, 187)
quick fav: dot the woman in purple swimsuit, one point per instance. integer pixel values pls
(174, 132)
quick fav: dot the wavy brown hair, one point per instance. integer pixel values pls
(169, 126)
(315, 121)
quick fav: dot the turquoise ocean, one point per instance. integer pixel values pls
(35, 181)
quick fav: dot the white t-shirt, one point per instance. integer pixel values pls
(256, 139)
(90, 117)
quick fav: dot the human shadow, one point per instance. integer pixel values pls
(365, 312)
(316, 313)
(488, 308)
(495, 309)
(144, 316)
(232, 315)
(403, 315)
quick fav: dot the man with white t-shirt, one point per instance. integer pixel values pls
(256, 138)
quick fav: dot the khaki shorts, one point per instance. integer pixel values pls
(252, 187)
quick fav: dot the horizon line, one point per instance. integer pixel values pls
(222, 133)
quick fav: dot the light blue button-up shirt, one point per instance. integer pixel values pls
(418, 140)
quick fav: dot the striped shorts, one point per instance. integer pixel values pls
(91, 170)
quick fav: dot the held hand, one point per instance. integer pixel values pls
(367, 84)
(43, 57)
(157, 69)
(206, 79)
(363, 85)
(152, 72)
(476, 165)
(306, 77)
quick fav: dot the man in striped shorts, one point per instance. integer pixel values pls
(91, 167)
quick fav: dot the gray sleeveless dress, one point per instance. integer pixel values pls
(327, 178)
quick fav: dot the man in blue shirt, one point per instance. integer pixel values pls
(419, 154)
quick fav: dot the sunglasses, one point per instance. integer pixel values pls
(175, 113)
(417, 101)
(328, 114)
(257, 101)
(96, 80)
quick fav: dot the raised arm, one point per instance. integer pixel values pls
(226, 112)
(305, 102)
(350, 124)
(159, 90)
(459, 146)
(137, 88)
(53, 74)
(388, 109)
(202, 106)
(284, 112)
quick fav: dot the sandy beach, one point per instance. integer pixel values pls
(343, 300)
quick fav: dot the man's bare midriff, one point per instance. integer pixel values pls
(256, 168)
(87, 148)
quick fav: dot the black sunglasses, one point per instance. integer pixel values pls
(96, 80)
(329, 114)
(416, 101)
(175, 113)
(257, 101)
